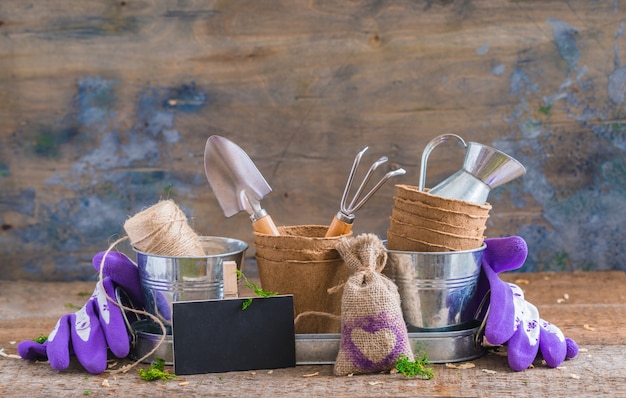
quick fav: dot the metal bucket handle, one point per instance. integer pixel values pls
(429, 147)
(124, 300)
(483, 322)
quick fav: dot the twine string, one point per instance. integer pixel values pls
(161, 229)
(121, 306)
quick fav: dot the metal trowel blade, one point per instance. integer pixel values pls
(232, 175)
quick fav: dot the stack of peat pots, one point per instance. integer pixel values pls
(303, 262)
(422, 222)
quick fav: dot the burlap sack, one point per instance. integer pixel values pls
(302, 262)
(373, 332)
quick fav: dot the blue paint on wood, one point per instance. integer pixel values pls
(617, 85)
(617, 79)
(95, 101)
(580, 229)
(5, 170)
(22, 202)
(48, 141)
(32, 267)
(565, 39)
(498, 70)
(107, 186)
(484, 49)
(521, 83)
(85, 28)
(187, 98)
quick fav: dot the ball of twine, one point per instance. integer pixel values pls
(162, 229)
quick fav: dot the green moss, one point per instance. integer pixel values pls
(414, 368)
(616, 127)
(545, 109)
(156, 371)
(45, 145)
(589, 266)
(559, 262)
(46, 142)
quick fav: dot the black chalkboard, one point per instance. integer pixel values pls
(214, 336)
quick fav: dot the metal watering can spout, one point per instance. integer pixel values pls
(484, 168)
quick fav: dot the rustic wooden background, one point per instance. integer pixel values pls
(105, 107)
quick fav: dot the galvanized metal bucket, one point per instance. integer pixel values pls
(165, 280)
(437, 289)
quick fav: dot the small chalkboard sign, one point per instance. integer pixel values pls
(214, 336)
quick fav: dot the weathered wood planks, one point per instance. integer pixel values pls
(105, 107)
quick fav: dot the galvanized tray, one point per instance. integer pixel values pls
(440, 346)
(322, 349)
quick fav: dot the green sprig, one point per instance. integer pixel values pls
(254, 287)
(156, 371)
(414, 368)
(41, 339)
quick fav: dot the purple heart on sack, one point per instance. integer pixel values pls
(375, 342)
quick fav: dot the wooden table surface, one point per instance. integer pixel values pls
(589, 307)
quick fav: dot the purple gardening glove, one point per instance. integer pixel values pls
(98, 326)
(511, 319)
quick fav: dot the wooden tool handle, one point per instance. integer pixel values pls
(265, 225)
(338, 228)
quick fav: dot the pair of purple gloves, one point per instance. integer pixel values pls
(99, 326)
(511, 319)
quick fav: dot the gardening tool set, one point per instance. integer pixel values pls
(430, 287)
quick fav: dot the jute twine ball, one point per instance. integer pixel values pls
(163, 230)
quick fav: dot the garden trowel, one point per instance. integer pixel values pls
(237, 183)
